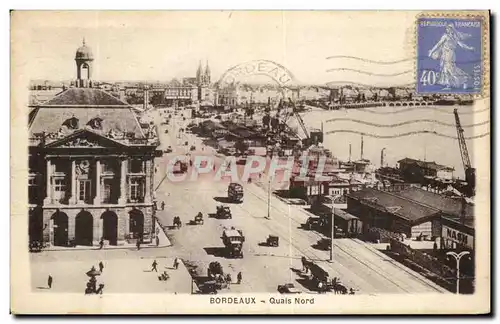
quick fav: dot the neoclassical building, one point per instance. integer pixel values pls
(91, 167)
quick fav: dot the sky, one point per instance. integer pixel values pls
(164, 45)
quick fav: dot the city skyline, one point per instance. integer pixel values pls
(222, 39)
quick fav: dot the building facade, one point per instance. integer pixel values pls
(91, 169)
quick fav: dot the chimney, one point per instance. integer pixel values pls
(361, 147)
(122, 94)
(146, 99)
(350, 146)
(382, 157)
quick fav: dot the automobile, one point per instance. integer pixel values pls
(313, 222)
(224, 212)
(168, 150)
(288, 288)
(297, 201)
(324, 244)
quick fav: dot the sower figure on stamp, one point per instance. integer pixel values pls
(450, 76)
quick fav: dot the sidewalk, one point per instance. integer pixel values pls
(163, 239)
(119, 276)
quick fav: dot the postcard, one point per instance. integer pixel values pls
(250, 162)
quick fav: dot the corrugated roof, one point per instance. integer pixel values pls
(407, 208)
(344, 215)
(445, 204)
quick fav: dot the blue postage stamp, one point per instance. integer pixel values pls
(449, 55)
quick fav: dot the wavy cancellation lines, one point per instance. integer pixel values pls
(414, 121)
(380, 62)
(371, 73)
(399, 111)
(404, 134)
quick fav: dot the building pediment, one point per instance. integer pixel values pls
(84, 139)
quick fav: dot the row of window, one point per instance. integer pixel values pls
(136, 190)
(134, 166)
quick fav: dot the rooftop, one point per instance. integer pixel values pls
(395, 204)
(447, 205)
(424, 164)
(80, 108)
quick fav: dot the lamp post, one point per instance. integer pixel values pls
(458, 257)
(333, 226)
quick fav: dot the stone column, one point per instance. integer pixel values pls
(123, 182)
(97, 198)
(148, 189)
(48, 194)
(73, 199)
(51, 232)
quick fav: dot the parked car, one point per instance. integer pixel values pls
(168, 150)
(288, 288)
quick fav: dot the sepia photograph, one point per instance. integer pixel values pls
(250, 162)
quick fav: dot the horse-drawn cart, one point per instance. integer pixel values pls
(272, 240)
(208, 288)
(198, 220)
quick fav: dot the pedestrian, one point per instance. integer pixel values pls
(101, 243)
(101, 266)
(239, 277)
(49, 281)
(157, 241)
(176, 263)
(162, 205)
(435, 246)
(154, 266)
(138, 244)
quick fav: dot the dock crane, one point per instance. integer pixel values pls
(470, 172)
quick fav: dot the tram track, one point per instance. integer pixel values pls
(350, 254)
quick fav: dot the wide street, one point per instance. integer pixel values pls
(357, 264)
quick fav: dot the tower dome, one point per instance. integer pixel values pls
(84, 60)
(84, 53)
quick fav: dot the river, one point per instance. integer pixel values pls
(427, 147)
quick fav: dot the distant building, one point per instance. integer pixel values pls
(415, 170)
(90, 167)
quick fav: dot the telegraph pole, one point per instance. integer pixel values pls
(269, 199)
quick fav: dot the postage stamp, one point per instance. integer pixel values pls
(450, 55)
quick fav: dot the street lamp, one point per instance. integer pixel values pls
(333, 226)
(457, 258)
